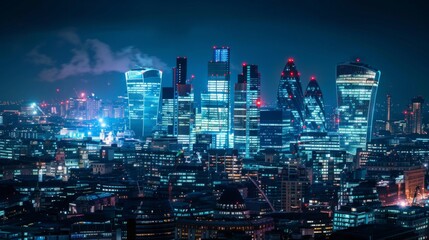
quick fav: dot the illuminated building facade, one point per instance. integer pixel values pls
(225, 161)
(327, 166)
(348, 216)
(289, 94)
(315, 115)
(167, 111)
(276, 129)
(215, 104)
(357, 85)
(185, 116)
(294, 184)
(413, 117)
(144, 90)
(246, 111)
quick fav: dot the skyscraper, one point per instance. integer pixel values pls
(167, 111)
(389, 106)
(215, 104)
(185, 115)
(144, 90)
(289, 94)
(180, 72)
(356, 92)
(315, 108)
(179, 78)
(246, 111)
(416, 119)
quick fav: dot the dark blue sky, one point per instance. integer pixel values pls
(84, 45)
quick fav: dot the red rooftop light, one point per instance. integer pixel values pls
(290, 60)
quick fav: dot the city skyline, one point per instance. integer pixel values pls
(317, 46)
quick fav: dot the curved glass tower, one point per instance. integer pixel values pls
(315, 120)
(289, 94)
(356, 94)
(143, 90)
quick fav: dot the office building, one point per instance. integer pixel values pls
(289, 94)
(215, 103)
(350, 216)
(167, 111)
(144, 90)
(357, 85)
(276, 130)
(247, 101)
(413, 117)
(315, 108)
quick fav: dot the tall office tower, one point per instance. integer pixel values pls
(180, 72)
(416, 116)
(93, 107)
(185, 115)
(179, 77)
(167, 111)
(215, 104)
(144, 90)
(246, 111)
(289, 95)
(356, 92)
(315, 120)
(389, 106)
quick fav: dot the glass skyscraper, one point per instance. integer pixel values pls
(315, 108)
(246, 111)
(143, 90)
(167, 111)
(356, 92)
(215, 103)
(290, 96)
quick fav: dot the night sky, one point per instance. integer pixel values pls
(86, 45)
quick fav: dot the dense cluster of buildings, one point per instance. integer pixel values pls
(157, 165)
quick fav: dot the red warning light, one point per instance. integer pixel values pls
(290, 60)
(244, 64)
(313, 78)
(258, 103)
(357, 59)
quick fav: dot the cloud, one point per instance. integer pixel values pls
(70, 36)
(93, 57)
(38, 58)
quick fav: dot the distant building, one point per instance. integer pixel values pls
(290, 96)
(375, 232)
(350, 216)
(144, 90)
(215, 104)
(247, 101)
(315, 120)
(416, 218)
(167, 111)
(413, 116)
(357, 85)
(276, 129)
